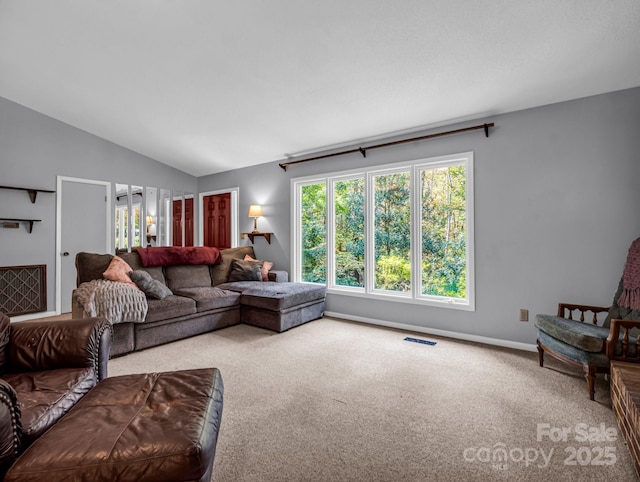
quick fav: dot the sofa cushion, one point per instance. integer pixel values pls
(245, 271)
(151, 287)
(210, 298)
(170, 307)
(133, 259)
(573, 353)
(187, 276)
(220, 272)
(280, 296)
(583, 336)
(45, 396)
(90, 266)
(240, 286)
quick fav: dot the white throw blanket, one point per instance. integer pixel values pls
(117, 302)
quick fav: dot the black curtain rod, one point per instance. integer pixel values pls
(363, 150)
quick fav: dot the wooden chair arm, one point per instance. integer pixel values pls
(614, 335)
(565, 310)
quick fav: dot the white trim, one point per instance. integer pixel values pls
(516, 345)
(296, 228)
(235, 195)
(33, 316)
(413, 168)
(59, 181)
(400, 297)
(370, 221)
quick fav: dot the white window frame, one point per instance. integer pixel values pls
(414, 167)
(331, 234)
(123, 215)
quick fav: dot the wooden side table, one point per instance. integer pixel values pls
(625, 399)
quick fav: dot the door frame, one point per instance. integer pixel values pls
(235, 195)
(59, 181)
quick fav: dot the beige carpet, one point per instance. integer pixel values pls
(341, 401)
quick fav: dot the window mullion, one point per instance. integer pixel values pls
(330, 230)
(369, 251)
(296, 216)
(416, 233)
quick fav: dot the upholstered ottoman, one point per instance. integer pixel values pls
(280, 306)
(148, 427)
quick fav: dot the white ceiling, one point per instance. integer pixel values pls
(210, 85)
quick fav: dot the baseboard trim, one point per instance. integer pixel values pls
(33, 316)
(432, 331)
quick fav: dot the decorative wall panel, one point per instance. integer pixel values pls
(23, 289)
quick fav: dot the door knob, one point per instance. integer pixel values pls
(66, 253)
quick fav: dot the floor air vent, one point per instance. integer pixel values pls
(417, 340)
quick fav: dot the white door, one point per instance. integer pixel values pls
(83, 225)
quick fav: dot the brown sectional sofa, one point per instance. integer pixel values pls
(204, 300)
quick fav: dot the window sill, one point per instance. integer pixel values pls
(446, 303)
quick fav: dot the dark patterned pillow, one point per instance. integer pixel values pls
(151, 287)
(245, 271)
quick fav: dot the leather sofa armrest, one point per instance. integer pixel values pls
(279, 276)
(10, 427)
(47, 345)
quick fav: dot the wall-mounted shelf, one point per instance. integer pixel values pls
(251, 236)
(29, 222)
(33, 192)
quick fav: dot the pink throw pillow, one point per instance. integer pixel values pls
(264, 269)
(118, 270)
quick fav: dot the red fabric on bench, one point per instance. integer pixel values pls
(178, 255)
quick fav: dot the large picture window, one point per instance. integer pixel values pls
(400, 232)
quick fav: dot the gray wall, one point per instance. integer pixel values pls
(556, 202)
(34, 149)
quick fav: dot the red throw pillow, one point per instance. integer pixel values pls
(264, 269)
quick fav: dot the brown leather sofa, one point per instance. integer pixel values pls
(45, 369)
(132, 428)
(50, 367)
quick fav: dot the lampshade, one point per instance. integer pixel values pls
(255, 211)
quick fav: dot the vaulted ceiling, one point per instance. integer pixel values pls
(209, 85)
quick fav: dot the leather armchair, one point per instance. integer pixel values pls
(45, 368)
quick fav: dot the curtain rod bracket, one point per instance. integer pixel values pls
(362, 151)
(486, 130)
(284, 167)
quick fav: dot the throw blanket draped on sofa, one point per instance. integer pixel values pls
(117, 302)
(176, 255)
(630, 296)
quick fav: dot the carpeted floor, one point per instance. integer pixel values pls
(341, 401)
